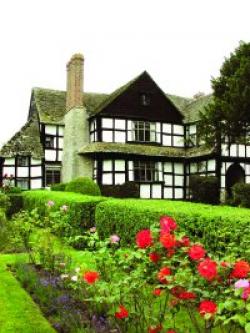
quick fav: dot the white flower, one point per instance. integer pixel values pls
(64, 276)
(77, 270)
(74, 278)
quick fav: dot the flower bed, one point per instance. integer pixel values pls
(164, 283)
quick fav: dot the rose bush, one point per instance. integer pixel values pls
(164, 279)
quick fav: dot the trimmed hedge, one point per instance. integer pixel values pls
(241, 194)
(126, 190)
(58, 187)
(223, 230)
(205, 189)
(83, 185)
(82, 207)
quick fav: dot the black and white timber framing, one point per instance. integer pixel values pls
(140, 115)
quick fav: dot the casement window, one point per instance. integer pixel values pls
(22, 161)
(49, 141)
(144, 131)
(145, 171)
(22, 183)
(52, 176)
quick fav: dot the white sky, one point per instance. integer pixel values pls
(181, 43)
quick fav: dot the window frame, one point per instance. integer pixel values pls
(53, 177)
(146, 171)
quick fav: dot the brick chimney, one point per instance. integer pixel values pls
(76, 130)
(74, 95)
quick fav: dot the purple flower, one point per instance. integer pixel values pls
(242, 283)
(114, 239)
(50, 203)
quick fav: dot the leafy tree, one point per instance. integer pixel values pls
(228, 116)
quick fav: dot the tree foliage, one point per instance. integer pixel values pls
(228, 116)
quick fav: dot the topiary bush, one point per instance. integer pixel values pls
(205, 189)
(126, 190)
(241, 195)
(58, 187)
(83, 185)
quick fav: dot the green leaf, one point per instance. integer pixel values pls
(247, 328)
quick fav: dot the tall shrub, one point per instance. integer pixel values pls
(204, 189)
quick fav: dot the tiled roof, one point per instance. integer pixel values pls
(145, 150)
(51, 104)
(192, 110)
(25, 142)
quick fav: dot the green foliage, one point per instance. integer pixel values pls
(4, 201)
(70, 214)
(14, 190)
(228, 114)
(18, 311)
(126, 190)
(205, 189)
(241, 194)
(223, 230)
(16, 203)
(58, 187)
(83, 185)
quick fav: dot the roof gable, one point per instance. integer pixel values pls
(125, 102)
(25, 142)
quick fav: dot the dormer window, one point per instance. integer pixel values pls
(145, 99)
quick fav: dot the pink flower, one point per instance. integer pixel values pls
(114, 239)
(242, 283)
(246, 294)
(50, 203)
(64, 208)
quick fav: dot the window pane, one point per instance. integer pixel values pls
(53, 176)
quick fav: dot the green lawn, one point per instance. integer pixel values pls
(18, 312)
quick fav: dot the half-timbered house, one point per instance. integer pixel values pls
(137, 133)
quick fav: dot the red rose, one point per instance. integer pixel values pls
(165, 271)
(122, 313)
(167, 240)
(241, 269)
(170, 253)
(208, 269)
(155, 329)
(187, 295)
(154, 257)
(196, 252)
(225, 264)
(185, 241)
(157, 292)
(144, 239)
(176, 291)
(91, 277)
(207, 307)
(167, 224)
